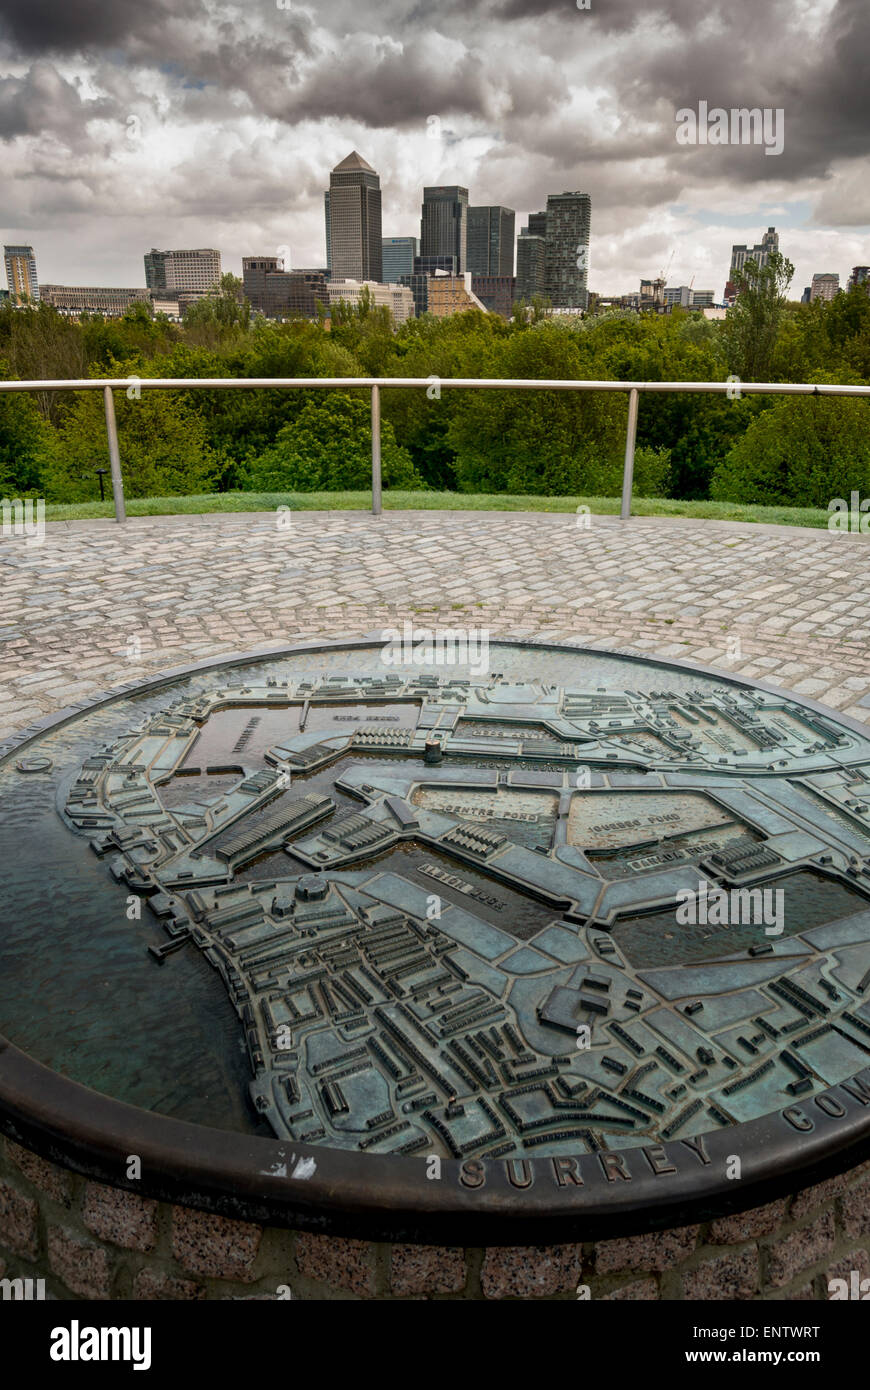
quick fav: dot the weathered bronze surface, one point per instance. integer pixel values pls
(577, 908)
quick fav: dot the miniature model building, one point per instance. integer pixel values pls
(447, 915)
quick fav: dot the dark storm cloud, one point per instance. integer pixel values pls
(43, 100)
(820, 85)
(835, 100)
(68, 26)
(611, 15)
(387, 88)
(267, 70)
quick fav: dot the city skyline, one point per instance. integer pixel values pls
(555, 270)
(355, 170)
(228, 145)
(275, 291)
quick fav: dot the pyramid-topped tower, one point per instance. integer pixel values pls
(353, 161)
(352, 206)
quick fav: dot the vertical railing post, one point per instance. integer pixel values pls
(114, 455)
(628, 471)
(376, 451)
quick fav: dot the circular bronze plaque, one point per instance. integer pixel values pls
(428, 936)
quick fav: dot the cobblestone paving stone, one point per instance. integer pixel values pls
(95, 604)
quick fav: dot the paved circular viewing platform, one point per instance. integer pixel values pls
(93, 606)
(96, 604)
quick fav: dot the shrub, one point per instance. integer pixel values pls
(802, 452)
(327, 447)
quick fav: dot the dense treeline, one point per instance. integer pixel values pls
(798, 451)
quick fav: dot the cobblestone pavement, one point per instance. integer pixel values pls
(95, 604)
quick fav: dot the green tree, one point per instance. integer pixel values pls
(25, 441)
(220, 316)
(162, 439)
(549, 442)
(752, 325)
(365, 330)
(827, 336)
(531, 311)
(801, 452)
(463, 345)
(243, 424)
(327, 447)
(40, 344)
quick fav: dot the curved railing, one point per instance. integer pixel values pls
(732, 387)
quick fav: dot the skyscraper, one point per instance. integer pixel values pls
(444, 223)
(532, 258)
(491, 241)
(352, 207)
(398, 257)
(568, 218)
(759, 253)
(21, 272)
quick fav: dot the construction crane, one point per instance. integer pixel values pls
(663, 274)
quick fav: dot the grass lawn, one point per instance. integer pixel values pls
(433, 501)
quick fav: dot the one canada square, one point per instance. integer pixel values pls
(353, 221)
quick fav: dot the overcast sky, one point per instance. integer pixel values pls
(126, 124)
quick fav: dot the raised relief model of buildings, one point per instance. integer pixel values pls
(447, 913)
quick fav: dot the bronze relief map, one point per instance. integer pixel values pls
(501, 915)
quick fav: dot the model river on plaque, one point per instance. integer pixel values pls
(576, 904)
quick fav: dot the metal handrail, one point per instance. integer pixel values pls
(732, 386)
